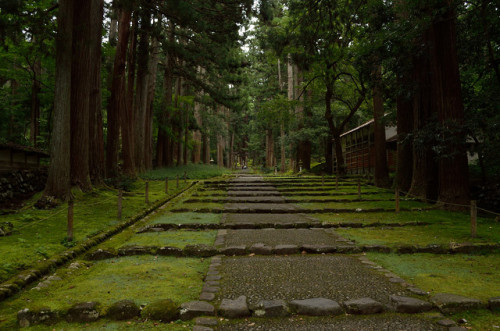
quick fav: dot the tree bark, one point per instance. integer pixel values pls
(35, 103)
(80, 92)
(141, 97)
(148, 135)
(118, 95)
(425, 176)
(97, 170)
(127, 120)
(381, 174)
(404, 120)
(453, 168)
(58, 181)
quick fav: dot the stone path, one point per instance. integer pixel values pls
(294, 281)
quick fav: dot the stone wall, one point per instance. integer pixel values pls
(18, 185)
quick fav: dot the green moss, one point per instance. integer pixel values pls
(186, 218)
(200, 206)
(423, 235)
(364, 205)
(178, 239)
(107, 325)
(472, 276)
(142, 279)
(479, 319)
(164, 310)
(39, 234)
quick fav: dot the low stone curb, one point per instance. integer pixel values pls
(279, 194)
(26, 277)
(257, 226)
(285, 200)
(292, 211)
(262, 249)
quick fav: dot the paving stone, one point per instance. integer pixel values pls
(452, 303)
(190, 310)
(169, 251)
(286, 249)
(207, 296)
(236, 308)
(134, 250)
(200, 251)
(201, 328)
(100, 254)
(410, 305)
(457, 328)
(234, 250)
(212, 277)
(272, 308)
(363, 306)
(27, 317)
(206, 321)
(417, 291)
(446, 323)
(494, 304)
(212, 282)
(83, 312)
(261, 249)
(318, 249)
(316, 307)
(211, 289)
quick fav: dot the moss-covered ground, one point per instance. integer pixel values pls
(178, 238)
(40, 234)
(363, 205)
(474, 276)
(142, 279)
(186, 218)
(106, 325)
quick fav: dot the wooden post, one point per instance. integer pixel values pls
(359, 189)
(166, 185)
(147, 193)
(70, 220)
(397, 200)
(185, 177)
(473, 218)
(177, 180)
(120, 197)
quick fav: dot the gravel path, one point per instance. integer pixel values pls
(347, 323)
(274, 237)
(336, 277)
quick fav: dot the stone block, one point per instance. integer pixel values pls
(236, 308)
(316, 307)
(452, 303)
(409, 305)
(271, 308)
(123, 310)
(190, 310)
(83, 312)
(363, 306)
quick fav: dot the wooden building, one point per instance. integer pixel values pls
(14, 157)
(358, 148)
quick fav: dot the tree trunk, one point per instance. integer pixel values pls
(179, 121)
(405, 147)
(35, 103)
(95, 107)
(80, 92)
(141, 97)
(425, 177)
(269, 148)
(282, 127)
(58, 181)
(148, 135)
(118, 95)
(381, 174)
(453, 168)
(290, 93)
(127, 120)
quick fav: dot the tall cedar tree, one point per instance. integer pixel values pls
(58, 182)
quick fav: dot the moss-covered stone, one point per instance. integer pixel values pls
(164, 310)
(83, 312)
(123, 310)
(27, 317)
